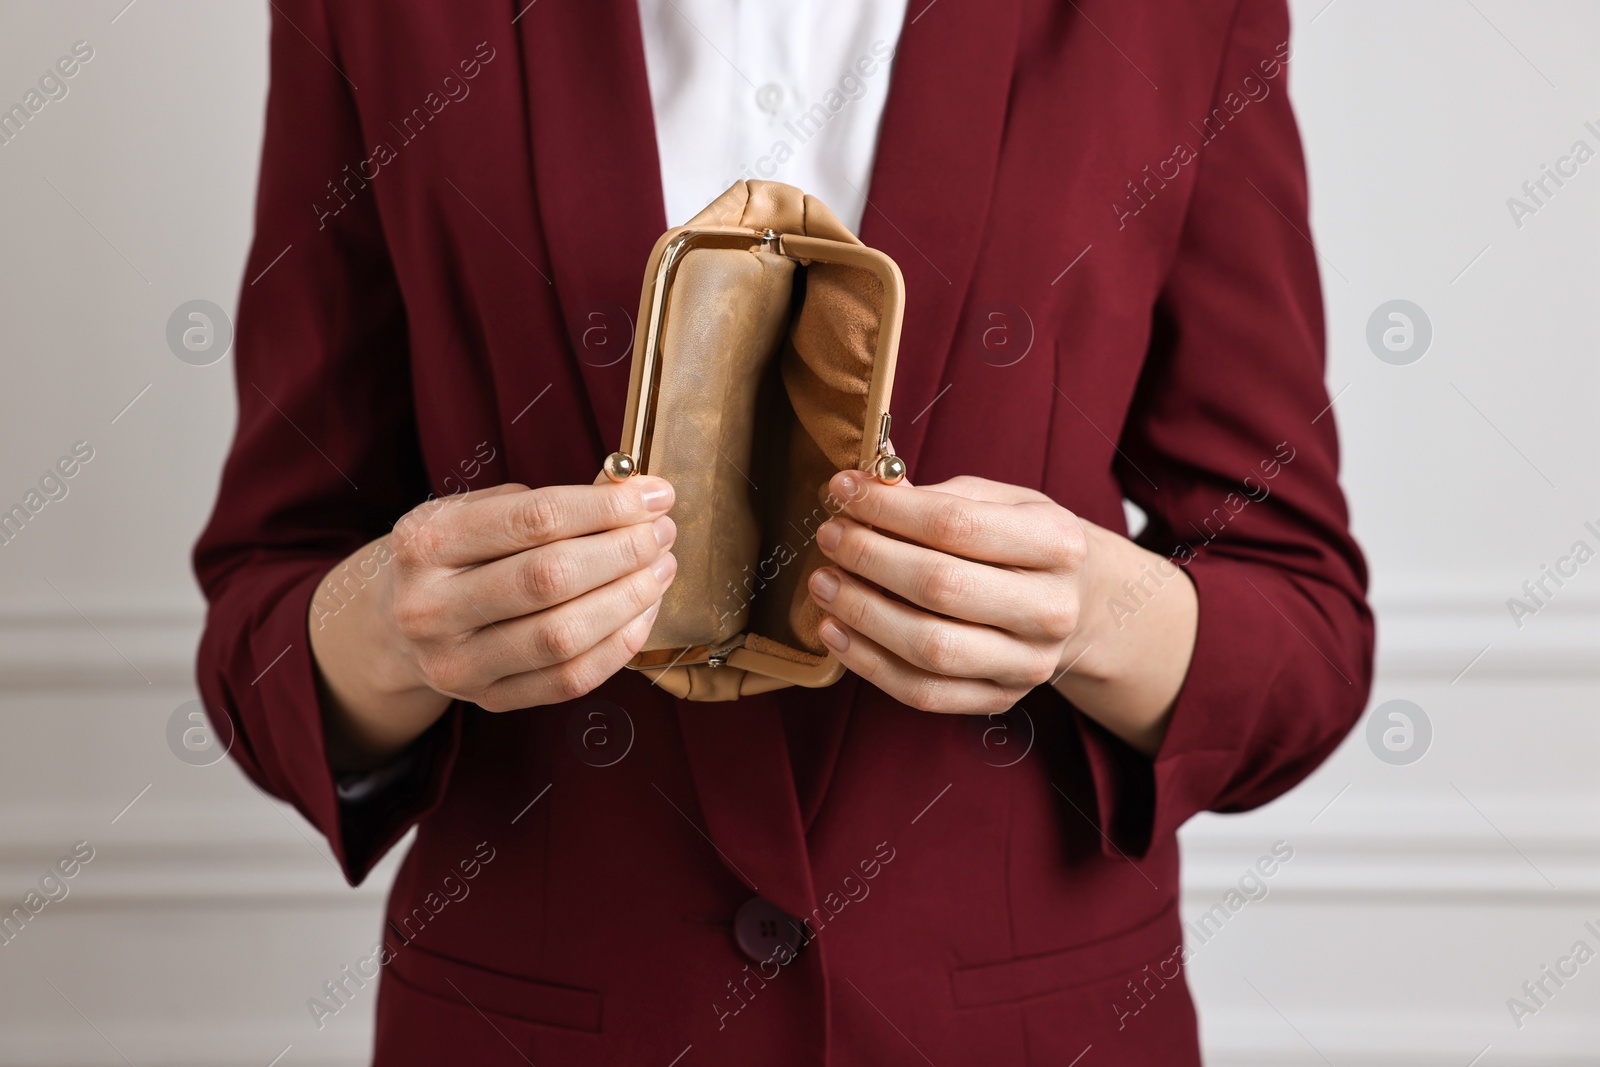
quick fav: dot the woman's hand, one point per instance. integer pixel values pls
(963, 596)
(508, 597)
(990, 575)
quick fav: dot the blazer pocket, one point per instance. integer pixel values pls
(494, 993)
(1042, 975)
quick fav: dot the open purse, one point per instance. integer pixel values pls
(769, 335)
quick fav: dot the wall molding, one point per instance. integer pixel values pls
(1232, 1039)
(1402, 1037)
(1447, 630)
(61, 651)
(241, 1042)
(1406, 852)
(1431, 629)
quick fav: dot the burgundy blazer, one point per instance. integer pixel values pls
(1100, 211)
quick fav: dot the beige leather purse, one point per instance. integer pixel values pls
(766, 366)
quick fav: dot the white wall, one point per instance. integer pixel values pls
(1417, 901)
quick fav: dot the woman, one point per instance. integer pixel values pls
(1100, 215)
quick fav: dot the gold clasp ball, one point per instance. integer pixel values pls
(619, 466)
(891, 469)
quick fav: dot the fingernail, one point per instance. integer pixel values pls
(657, 495)
(649, 616)
(833, 635)
(829, 534)
(825, 585)
(849, 486)
(665, 530)
(664, 568)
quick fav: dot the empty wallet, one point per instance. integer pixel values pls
(766, 366)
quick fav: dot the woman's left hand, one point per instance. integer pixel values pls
(987, 582)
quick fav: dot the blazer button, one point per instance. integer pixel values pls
(760, 928)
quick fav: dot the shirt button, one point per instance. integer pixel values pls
(769, 97)
(761, 929)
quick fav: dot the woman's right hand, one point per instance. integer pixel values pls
(507, 597)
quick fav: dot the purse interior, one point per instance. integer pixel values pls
(764, 367)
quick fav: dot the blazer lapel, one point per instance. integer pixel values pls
(597, 179)
(928, 201)
(740, 765)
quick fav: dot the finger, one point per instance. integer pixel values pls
(478, 494)
(1041, 537)
(912, 685)
(971, 487)
(947, 647)
(1030, 605)
(575, 678)
(477, 530)
(416, 531)
(567, 631)
(540, 578)
(429, 510)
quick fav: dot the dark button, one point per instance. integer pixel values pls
(761, 928)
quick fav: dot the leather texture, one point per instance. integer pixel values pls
(826, 369)
(759, 205)
(728, 313)
(765, 364)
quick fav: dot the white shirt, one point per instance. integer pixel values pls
(785, 90)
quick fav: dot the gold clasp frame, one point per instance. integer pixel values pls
(633, 458)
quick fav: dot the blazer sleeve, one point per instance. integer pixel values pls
(1230, 449)
(325, 457)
